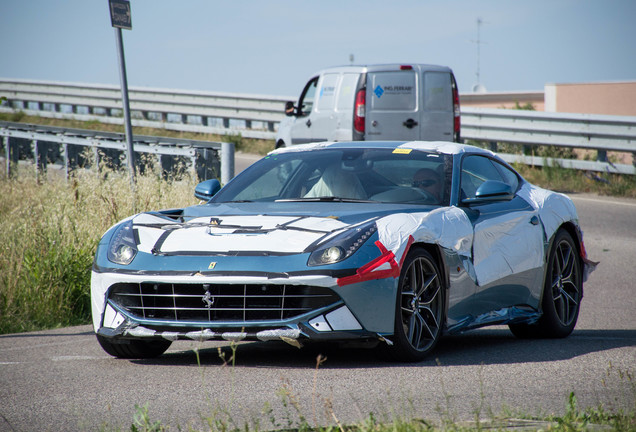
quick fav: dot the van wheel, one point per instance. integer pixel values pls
(280, 144)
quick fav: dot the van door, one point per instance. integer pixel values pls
(392, 106)
(436, 116)
(323, 118)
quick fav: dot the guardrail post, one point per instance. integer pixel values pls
(66, 161)
(7, 154)
(39, 157)
(601, 156)
(226, 123)
(227, 162)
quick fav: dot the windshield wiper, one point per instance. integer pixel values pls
(324, 199)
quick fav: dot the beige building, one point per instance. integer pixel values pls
(609, 98)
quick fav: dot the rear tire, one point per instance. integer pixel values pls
(562, 292)
(136, 349)
(419, 309)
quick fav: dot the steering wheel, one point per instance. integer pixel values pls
(429, 198)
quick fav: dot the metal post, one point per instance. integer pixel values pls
(7, 154)
(124, 97)
(227, 162)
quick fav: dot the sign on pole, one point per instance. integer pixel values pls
(120, 14)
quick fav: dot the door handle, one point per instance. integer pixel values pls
(409, 123)
(308, 122)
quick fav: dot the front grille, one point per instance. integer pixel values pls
(225, 302)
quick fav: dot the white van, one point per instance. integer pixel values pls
(377, 102)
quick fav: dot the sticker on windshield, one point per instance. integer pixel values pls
(402, 150)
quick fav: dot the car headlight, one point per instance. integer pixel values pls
(343, 245)
(123, 247)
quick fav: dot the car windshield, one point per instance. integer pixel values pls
(345, 174)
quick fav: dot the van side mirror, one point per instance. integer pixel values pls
(289, 108)
(207, 189)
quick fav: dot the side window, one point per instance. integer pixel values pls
(306, 101)
(475, 171)
(509, 176)
(327, 94)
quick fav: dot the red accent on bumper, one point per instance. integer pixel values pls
(366, 272)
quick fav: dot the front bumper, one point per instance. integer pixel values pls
(353, 312)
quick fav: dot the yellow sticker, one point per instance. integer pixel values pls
(402, 150)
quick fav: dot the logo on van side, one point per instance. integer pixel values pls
(392, 89)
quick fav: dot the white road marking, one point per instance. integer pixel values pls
(601, 201)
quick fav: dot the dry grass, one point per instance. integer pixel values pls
(49, 233)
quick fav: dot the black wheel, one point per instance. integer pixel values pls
(136, 349)
(562, 292)
(419, 308)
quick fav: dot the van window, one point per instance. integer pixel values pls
(306, 101)
(327, 94)
(347, 92)
(394, 91)
(437, 91)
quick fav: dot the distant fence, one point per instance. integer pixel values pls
(66, 147)
(257, 116)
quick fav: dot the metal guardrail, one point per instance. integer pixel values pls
(256, 116)
(47, 144)
(253, 116)
(601, 133)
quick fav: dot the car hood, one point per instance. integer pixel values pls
(254, 228)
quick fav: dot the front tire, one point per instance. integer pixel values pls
(562, 292)
(136, 349)
(419, 311)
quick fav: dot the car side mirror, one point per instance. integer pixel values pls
(491, 191)
(289, 108)
(207, 189)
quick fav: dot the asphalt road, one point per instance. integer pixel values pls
(61, 379)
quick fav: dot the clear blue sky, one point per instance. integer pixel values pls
(272, 47)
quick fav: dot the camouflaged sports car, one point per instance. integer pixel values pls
(389, 243)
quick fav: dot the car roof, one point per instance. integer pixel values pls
(442, 147)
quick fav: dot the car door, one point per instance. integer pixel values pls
(392, 106)
(508, 244)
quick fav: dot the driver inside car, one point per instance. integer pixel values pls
(429, 181)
